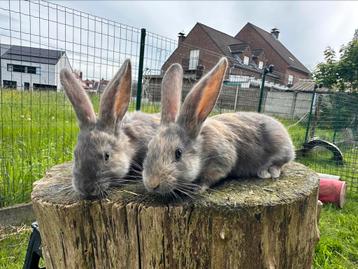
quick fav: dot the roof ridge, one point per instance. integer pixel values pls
(202, 24)
(30, 47)
(212, 39)
(258, 29)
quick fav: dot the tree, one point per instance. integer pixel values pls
(348, 65)
(326, 73)
(340, 110)
(341, 74)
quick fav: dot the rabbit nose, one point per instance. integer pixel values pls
(89, 189)
(154, 184)
(156, 188)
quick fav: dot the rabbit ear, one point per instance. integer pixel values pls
(115, 99)
(79, 99)
(201, 99)
(171, 93)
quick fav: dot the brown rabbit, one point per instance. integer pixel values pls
(113, 145)
(193, 152)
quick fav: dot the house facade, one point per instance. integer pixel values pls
(251, 50)
(27, 68)
(287, 66)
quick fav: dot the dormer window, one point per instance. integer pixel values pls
(194, 59)
(246, 60)
(261, 64)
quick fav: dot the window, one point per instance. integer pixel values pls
(44, 87)
(31, 70)
(246, 60)
(19, 68)
(261, 64)
(290, 79)
(23, 68)
(194, 59)
(9, 84)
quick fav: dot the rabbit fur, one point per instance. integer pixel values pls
(111, 147)
(190, 153)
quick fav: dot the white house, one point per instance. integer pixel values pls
(29, 68)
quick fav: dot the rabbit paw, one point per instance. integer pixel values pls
(264, 174)
(275, 171)
(202, 188)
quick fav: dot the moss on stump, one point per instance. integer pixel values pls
(250, 223)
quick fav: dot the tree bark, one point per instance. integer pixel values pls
(250, 223)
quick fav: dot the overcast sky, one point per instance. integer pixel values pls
(307, 28)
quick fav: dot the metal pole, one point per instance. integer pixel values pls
(268, 69)
(310, 114)
(262, 90)
(140, 70)
(237, 93)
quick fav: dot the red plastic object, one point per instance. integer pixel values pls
(332, 191)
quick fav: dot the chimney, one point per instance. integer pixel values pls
(275, 32)
(181, 37)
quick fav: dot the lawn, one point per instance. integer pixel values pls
(337, 248)
(37, 131)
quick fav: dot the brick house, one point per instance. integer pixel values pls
(290, 68)
(248, 53)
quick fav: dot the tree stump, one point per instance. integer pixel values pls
(250, 223)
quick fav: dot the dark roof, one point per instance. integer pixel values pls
(234, 48)
(30, 54)
(288, 57)
(226, 43)
(3, 48)
(222, 40)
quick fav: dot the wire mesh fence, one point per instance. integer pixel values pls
(38, 127)
(332, 136)
(37, 39)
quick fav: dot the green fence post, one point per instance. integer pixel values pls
(140, 70)
(268, 69)
(310, 114)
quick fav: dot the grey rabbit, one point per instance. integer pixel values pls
(191, 152)
(111, 147)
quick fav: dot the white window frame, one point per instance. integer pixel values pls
(194, 59)
(261, 64)
(10, 67)
(246, 60)
(290, 80)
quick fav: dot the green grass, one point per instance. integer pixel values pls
(38, 130)
(338, 245)
(337, 248)
(13, 245)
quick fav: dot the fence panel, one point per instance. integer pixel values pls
(335, 120)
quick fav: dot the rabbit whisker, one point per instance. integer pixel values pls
(135, 164)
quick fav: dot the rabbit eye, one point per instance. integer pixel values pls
(106, 156)
(178, 153)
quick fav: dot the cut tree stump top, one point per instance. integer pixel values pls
(296, 182)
